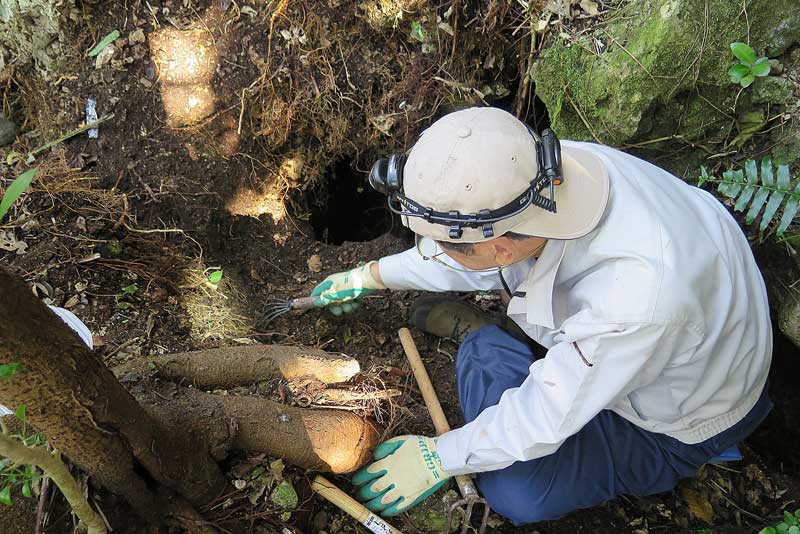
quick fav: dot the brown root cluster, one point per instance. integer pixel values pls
(328, 440)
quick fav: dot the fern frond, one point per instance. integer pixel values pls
(753, 191)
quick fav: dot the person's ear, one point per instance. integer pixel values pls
(503, 251)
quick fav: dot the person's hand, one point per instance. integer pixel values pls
(341, 292)
(407, 470)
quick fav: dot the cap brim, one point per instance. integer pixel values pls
(581, 201)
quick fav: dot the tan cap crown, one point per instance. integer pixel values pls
(483, 158)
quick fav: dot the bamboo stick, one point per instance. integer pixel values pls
(431, 400)
(351, 507)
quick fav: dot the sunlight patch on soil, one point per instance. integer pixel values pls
(186, 62)
(270, 198)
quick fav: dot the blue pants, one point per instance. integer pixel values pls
(606, 458)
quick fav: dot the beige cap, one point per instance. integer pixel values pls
(483, 158)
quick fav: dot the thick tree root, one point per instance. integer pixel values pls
(233, 366)
(331, 441)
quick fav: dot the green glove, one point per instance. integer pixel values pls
(341, 292)
(407, 470)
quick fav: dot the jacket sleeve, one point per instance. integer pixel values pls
(589, 368)
(408, 270)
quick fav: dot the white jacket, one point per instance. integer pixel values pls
(660, 314)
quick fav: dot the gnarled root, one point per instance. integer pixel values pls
(234, 366)
(332, 441)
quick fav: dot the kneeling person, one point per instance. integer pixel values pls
(642, 288)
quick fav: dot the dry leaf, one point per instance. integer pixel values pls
(559, 7)
(590, 6)
(9, 242)
(698, 505)
(314, 263)
(384, 123)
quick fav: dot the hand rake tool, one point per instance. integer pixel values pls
(273, 310)
(469, 493)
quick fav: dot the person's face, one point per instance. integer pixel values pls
(497, 252)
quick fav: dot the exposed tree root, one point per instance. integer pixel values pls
(234, 366)
(324, 440)
(349, 396)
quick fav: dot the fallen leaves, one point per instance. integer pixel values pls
(10, 243)
(698, 505)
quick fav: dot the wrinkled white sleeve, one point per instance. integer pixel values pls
(407, 270)
(589, 368)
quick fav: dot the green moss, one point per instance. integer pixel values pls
(31, 31)
(772, 90)
(669, 56)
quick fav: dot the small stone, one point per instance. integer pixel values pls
(8, 131)
(137, 37)
(772, 90)
(314, 263)
(104, 57)
(775, 66)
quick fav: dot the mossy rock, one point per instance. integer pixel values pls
(32, 31)
(772, 90)
(662, 71)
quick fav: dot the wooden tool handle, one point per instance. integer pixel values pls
(431, 400)
(351, 507)
(303, 303)
(424, 381)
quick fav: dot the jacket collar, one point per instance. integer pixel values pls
(537, 304)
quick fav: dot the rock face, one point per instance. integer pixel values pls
(31, 31)
(8, 131)
(658, 69)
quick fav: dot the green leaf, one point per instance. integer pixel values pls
(284, 496)
(738, 71)
(744, 53)
(767, 177)
(783, 178)
(107, 40)
(782, 527)
(215, 277)
(20, 412)
(774, 203)
(5, 496)
(744, 198)
(729, 186)
(761, 68)
(131, 289)
(9, 369)
(751, 169)
(789, 518)
(752, 183)
(794, 529)
(418, 32)
(747, 81)
(704, 177)
(26, 489)
(16, 188)
(767, 530)
(758, 203)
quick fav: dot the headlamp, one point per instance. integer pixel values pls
(386, 177)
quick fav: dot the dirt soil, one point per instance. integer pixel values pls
(190, 177)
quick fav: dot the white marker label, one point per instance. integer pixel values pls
(377, 525)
